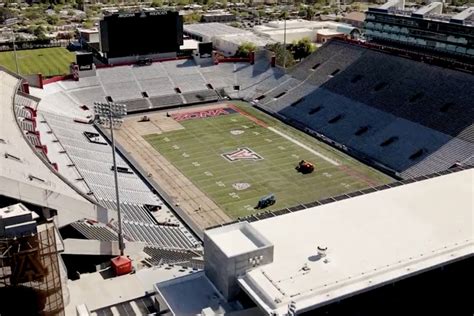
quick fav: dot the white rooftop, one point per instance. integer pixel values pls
(371, 240)
(97, 292)
(212, 29)
(234, 242)
(16, 210)
(199, 292)
(238, 39)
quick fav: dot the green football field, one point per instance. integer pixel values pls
(47, 61)
(264, 164)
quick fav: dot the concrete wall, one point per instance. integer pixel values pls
(223, 270)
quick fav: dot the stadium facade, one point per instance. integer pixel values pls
(423, 29)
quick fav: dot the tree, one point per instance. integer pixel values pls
(193, 17)
(157, 3)
(245, 49)
(39, 33)
(52, 19)
(302, 48)
(5, 14)
(283, 56)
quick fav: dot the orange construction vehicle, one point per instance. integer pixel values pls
(305, 167)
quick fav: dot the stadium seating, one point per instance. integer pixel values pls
(350, 96)
(170, 237)
(201, 96)
(159, 256)
(95, 163)
(408, 117)
(95, 231)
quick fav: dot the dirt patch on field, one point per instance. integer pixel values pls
(201, 209)
(156, 123)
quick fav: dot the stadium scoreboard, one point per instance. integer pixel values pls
(140, 33)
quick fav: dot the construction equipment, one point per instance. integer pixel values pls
(305, 167)
(266, 201)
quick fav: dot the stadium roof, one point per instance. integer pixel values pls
(371, 240)
(25, 177)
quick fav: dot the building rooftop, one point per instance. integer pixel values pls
(213, 29)
(16, 210)
(328, 32)
(355, 16)
(199, 292)
(371, 240)
(98, 292)
(464, 15)
(433, 7)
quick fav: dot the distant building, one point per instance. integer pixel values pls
(89, 35)
(218, 16)
(316, 31)
(426, 28)
(356, 19)
(225, 38)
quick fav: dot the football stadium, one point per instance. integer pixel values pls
(342, 185)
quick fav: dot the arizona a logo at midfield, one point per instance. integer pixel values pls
(242, 154)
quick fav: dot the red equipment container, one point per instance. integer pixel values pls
(121, 265)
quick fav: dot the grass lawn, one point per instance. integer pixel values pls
(197, 151)
(47, 61)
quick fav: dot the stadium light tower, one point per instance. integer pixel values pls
(112, 114)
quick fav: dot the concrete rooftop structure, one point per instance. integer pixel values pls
(371, 240)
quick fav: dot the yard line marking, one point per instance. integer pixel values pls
(332, 161)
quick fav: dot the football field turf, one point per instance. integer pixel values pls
(236, 159)
(47, 61)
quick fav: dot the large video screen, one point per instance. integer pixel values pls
(128, 34)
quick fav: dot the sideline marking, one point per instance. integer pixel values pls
(294, 141)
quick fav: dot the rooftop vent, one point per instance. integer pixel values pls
(297, 102)
(336, 119)
(316, 109)
(362, 130)
(335, 72)
(322, 251)
(280, 94)
(389, 141)
(417, 154)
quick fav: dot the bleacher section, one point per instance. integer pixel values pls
(95, 231)
(93, 162)
(159, 256)
(171, 83)
(407, 117)
(171, 237)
